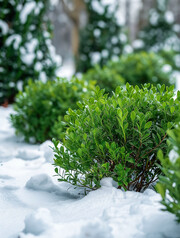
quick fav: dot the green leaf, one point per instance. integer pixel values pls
(79, 151)
(172, 109)
(85, 136)
(148, 125)
(119, 112)
(160, 155)
(133, 115)
(118, 90)
(131, 160)
(161, 189)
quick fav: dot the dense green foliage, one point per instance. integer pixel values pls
(105, 78)
(117, 137)
(102, 38)
(25, 46)
(140, 68)
(169, 185)
(41, 107)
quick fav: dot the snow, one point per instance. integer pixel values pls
(169, 17)
(35, 205)
(97, 33)
(97, 7)
(48, 152)
(173, 156)
(43, 77)
(28, 55)
(95, 57)
(19, 85)
(27, 154)
(138, 44)
(105, 53)
(167, 68)
(67, 69)
(15, 40)
(27, 9)
(154, 17)
(38, 222)
(4, 27)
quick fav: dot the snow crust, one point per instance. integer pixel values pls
(35, 205)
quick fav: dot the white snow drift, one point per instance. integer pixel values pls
(34, 205)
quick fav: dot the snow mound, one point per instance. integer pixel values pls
(4, 176)
(5, 154)
(11, 187)
(26, 154)
(108, 182)
(48, 152)
(97, 229)
(42, 182)
(38, 222)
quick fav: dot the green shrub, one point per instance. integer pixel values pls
(169, 185)
(105, 78)
(140, 68)
(117, 137)
(41, 107)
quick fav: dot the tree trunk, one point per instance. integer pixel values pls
(74, 14)
(144, 13)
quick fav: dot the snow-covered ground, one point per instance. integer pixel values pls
(33, 204)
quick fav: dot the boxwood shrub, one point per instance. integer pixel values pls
(143, 67)
(169, 184)
(117, 137)
(105, 78)
(40, 108)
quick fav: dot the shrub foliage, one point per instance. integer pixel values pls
(41, 107)
(169, 185)
(140, 68)
(117, 137)
(105, 78)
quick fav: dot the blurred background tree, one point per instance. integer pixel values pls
(103, 38)
(26, 51)
(161, 32)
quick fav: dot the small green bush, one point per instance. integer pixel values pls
(140, 68)
(117, 137)
(41, 107)
(105, 78)
(169, 185)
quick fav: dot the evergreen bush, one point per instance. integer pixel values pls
(26, 51)
(117, 137)
(140, 68)
(105, 78)
(169, 184)
(40, 108)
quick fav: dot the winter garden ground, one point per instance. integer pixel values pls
(33, 204)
